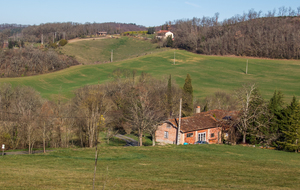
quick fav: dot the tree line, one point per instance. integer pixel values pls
(268, 123)
(127, 103)
(53, 32)
(31, 61)
(271, 35)
(139, 104)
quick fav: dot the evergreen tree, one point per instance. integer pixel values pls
(287, 119)
(169, 97)
(205, 108)
(151, 30)
(169, 41)
(187, 102)
(286, 115)
(292, 131)
(275, 107)
(10, 44)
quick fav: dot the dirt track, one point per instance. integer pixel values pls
(85, 39)
(24, 152)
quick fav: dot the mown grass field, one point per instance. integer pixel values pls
(160, 167)
(99, 50)
(209, 74)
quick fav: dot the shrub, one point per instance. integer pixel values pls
(63, 42)
(169, 41)
(53, 45)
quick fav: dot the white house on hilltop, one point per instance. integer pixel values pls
(162, 34)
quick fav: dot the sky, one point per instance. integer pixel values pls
(146, 13)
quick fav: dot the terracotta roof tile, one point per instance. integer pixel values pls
(203, 120)
(163, 31)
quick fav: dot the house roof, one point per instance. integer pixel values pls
(203, 120)
(163, 31)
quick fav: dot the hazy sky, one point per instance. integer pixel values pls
(141, 12)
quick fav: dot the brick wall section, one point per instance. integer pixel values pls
(211, 140)
(160, 134)
(183, 138)
(190, 140)
(217, 136)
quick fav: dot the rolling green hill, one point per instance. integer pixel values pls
(159, 167)
(99, 50)
(209, 74)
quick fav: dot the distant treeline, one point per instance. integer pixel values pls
(272, 35)
(12, 27)
(69, 30)
(30, 61)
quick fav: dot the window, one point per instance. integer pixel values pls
(166, 135)
(189, 135)
(168, 126)
(212, 135)
(202, 137)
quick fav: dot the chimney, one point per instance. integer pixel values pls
(198, 110)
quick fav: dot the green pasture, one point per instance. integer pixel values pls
(160, 167)
(209, 74)
(99, 50)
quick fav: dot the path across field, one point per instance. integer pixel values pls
(25, 152)
(129, 141)
(85, 39)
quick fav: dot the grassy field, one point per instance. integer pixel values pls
(91, 51)
(160, 167)
(209, 74)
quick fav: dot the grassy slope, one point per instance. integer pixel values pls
(209, 74)
(162, 167)
(91, 51)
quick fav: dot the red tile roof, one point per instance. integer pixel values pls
(203, 120)
(163, 31)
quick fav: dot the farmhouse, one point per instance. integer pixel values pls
(101, 33)
(162, 34)
(204, 126)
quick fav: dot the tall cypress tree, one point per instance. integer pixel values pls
(169, 97)
(286, 115)
(275, 107)
(292, 130)
(187, 103)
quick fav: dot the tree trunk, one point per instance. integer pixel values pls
(95, 169)
(153, 139)
(244, 138)
(81, 141)
(140, 137)
(44, 138)
(107, 136)
(29, 145)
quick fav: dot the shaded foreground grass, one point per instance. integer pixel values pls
(209, 74)
(161, 167)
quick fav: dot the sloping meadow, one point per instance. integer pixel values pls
(209, 74)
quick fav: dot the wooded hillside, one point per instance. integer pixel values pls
(248, 35)
(30, 61)
(68, 30)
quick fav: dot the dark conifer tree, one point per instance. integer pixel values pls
(275, 107)
(187, 102)
(291, 131)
